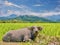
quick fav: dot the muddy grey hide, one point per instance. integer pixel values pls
(24, 34)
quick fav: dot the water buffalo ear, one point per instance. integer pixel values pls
(39, 28)
(31, 28)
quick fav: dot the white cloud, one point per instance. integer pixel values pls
(33, 13)
(11, 4)
(37, 5)
(44, 14)
(22, 7)
(27, 11)
(49, 14)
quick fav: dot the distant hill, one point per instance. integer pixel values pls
(32, 18)
(54, 18)
(24, 18)
(8, 17)
(12, 16)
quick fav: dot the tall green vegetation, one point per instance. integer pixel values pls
(50, 35)
(50, 29)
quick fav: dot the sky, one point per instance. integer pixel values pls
(41, 8)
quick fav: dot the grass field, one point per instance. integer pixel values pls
(49, 29)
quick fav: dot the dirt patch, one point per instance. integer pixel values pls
(9, 43)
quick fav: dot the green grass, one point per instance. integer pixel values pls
(49, 29)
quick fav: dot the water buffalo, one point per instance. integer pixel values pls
(24, 34)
